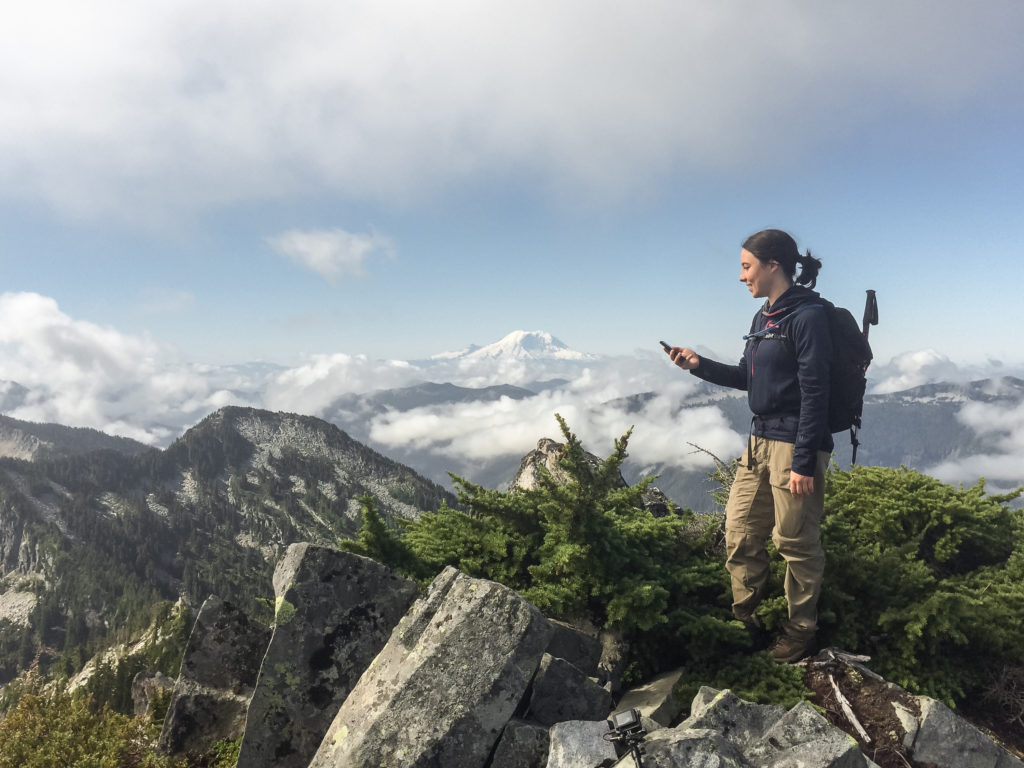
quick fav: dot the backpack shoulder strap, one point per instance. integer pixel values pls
(776, 331)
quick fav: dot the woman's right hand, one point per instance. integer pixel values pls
(685, 358)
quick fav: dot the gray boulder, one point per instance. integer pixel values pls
(655, 699)
(579, 744)
(679, 748)
(522, 745)
(723, 711)
(218, 674)
(562, 692)
(946, 740)
(446, 683)
(579, 647)
(804, 737)
(726, 731)
(335, 611)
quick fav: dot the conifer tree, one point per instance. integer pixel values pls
(926, 577)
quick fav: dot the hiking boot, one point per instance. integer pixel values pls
(789, 648)
(759, 637)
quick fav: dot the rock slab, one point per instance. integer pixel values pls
(946, 740)
(448, 681)
(335, 611)
(655, 699)
(580, 744)
(562, 692)
(218, 675)
(522, 745)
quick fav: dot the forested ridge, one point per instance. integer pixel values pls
(99, 539)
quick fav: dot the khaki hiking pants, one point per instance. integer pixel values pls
(760, 505)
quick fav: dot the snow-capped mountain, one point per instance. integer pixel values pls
(520, 345)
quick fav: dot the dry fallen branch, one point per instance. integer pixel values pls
(848, 710)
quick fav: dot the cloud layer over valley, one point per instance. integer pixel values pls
(64, 370)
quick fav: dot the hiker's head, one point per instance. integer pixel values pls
(774, 245)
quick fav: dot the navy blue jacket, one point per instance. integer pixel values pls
(785, 373)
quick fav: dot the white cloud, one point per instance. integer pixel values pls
(312, 387)
(1001, 430)
(142, 109)
(81, 374)
(486, 430)
(912, 369)
(923, 366)
(331, 253)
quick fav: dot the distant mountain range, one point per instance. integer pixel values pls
(923, 427)
(918, 428)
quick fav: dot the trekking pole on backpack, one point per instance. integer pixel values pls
(870, 318)
(870, 313)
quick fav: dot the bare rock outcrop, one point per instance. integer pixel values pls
(445, 685)
(725, 731)
(580, 744)
(147, 687)
(942, 738)
(218, 674)
(545, 458)
(582, 648)
(562, 692)
(656, 698)
(522, 745)
(335, 611)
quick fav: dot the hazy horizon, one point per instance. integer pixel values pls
(117, 383)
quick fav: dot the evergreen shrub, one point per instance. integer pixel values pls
(59, 728)
(582, 549)
(925, 577)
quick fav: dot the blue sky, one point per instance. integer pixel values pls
(224, 182)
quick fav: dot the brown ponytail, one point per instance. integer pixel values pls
(809, 267)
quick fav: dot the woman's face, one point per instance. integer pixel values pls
(761, 278)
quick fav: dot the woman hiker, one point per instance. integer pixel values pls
(779, 488)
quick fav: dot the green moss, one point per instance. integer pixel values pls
(284, 611)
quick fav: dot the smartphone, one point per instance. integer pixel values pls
(666, 346)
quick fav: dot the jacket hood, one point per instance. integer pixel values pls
(795, 296)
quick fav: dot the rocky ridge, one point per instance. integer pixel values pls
(468, 677)
(31, 442)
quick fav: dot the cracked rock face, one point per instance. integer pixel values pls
(335, 611)
(447, 682)
(217, 677)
